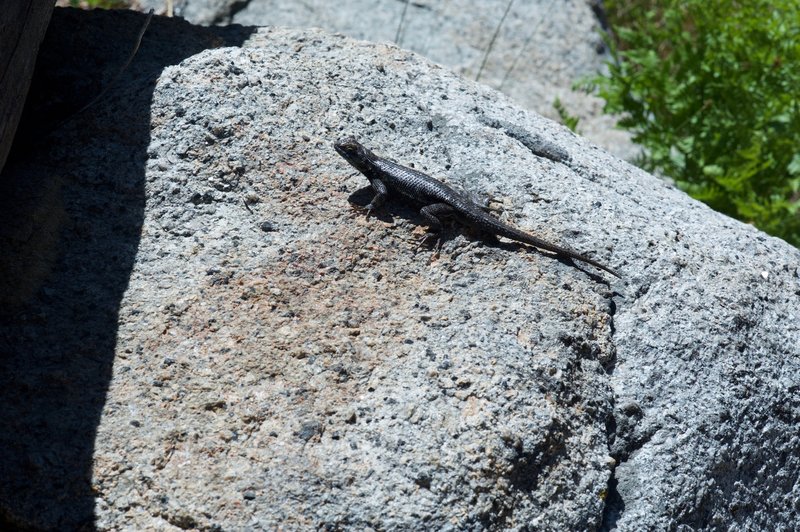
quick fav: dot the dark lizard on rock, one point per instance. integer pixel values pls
(437, 199)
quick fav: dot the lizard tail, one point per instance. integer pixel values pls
(513, 233)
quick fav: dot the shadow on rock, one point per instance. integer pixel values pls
(72, 204)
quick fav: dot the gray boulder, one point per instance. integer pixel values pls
(224, 341)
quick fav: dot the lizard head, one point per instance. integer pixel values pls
(353, 152)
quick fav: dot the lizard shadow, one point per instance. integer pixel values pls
(490, 240)
(452, 227)
(403, 209)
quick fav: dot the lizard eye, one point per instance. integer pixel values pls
(348, 145)
(352, 150)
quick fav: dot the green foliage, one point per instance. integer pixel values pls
(711, 89)
(101, 4)
(569, 120)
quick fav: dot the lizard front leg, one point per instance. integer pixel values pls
(381, 193)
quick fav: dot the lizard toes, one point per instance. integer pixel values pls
(423, 240)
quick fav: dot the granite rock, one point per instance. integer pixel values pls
(182, 367)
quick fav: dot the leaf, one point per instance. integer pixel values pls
(713, 170)
(794, 165)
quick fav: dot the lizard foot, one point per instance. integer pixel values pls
(369, 208)
(437, 244)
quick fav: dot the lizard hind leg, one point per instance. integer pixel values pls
(431, 214)
(483, 202)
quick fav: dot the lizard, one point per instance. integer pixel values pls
(438, 199)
